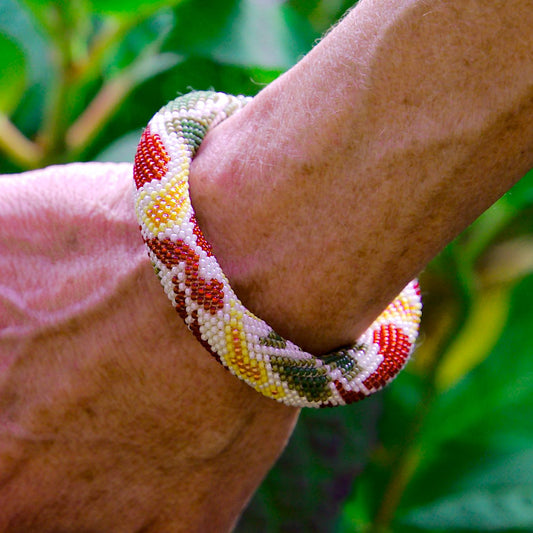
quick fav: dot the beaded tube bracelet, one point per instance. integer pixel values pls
(203, 297)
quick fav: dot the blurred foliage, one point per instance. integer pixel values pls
(448, 447)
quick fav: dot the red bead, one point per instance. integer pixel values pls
(151, 159)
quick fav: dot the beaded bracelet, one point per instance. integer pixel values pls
(201, 293)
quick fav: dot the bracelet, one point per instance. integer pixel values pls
(203, 297)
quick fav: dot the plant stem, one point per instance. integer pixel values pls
(17, 146)
(107, 39)
(95, 116)
(405, 466)
(52, 134)
(408, 456)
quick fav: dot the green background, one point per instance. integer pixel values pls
(448, 447)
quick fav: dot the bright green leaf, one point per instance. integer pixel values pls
(521, 195)
(13, 69)
(504, 381)
(130, 7)
(17, 24)
(488, 314)
(41, 10)
(458, 455)
(476, 440)
(260, 34)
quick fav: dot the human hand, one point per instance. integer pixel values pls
(112, 416)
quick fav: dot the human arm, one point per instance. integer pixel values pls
(340, 181)
(139, 428)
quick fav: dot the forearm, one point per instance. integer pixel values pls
(339, 182)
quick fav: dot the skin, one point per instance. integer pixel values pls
(406, 122)
(416, 116)
(111, 420)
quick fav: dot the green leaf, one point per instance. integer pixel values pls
(477, 438)
(501, 509)
(502, 382)
(122, 149)
(41, 10)
(17, 25)
(13, 69)
(145, 39)
(488, 313)
(305, 489)
(245, 32)
(193, 33)
(506, 470)
(458, 459)
(521, 195)
(262, 34)
(135, 8)
(322, 13)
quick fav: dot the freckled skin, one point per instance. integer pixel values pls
(103, 429)
(376, 150)
(113, 417)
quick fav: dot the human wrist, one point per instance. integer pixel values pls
(247, 195)
(391, 145)
(269, 186)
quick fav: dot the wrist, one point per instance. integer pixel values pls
(258, 206)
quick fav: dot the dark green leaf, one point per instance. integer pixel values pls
(477, 438)
(460, 454)
(303, 493)
(244, 32)
(122, 149)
